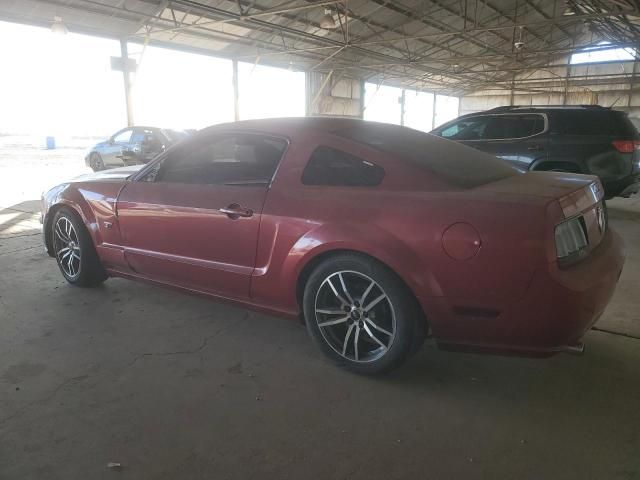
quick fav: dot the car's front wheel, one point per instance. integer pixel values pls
(361, 315)
(74, 250)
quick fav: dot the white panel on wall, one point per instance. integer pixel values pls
(339, 96)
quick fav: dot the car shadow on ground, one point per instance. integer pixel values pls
(19, 219)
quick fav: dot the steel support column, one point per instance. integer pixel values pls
(236, 92)
(126, 75)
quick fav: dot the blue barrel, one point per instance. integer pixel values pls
(51, 143)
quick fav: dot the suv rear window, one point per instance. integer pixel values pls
(455, 163)
(592, 122)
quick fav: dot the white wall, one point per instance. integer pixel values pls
(334, 95)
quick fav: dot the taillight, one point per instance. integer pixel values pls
(626, 146)
(571, 240)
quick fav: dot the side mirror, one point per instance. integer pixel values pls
(110, 141)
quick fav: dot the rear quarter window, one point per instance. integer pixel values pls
(331, 167)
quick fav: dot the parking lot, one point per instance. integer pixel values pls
(176, 386)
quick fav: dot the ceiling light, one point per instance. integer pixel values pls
(58, 27)
(327, 21)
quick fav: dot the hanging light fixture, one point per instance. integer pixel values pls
(327, 21)
(58, 27)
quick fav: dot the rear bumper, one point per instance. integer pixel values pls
(559, 306)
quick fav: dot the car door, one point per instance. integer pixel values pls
(154, 143)
(144, 145)
(192, 219)
(112, 154)
(519, 138)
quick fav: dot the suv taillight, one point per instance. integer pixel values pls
(626, 146)
(571, 240)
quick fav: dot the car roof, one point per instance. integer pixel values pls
(547, 108)
(290, 125)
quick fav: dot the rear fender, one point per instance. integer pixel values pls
(362, 238)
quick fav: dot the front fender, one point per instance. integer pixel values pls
(94, 203)
(63, 196)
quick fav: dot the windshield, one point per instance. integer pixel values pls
(455, 163)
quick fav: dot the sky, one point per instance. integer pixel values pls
(56, 83)
(63, 86)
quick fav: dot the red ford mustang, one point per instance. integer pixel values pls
(379, 235)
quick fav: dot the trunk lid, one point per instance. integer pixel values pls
(550, 185)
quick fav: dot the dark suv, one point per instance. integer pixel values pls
(586, 139)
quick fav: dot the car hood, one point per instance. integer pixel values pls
(121, 173)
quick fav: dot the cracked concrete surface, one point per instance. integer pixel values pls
(179, 387)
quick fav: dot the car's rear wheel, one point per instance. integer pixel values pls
(74, 251)
(361, 315)
(96, 162)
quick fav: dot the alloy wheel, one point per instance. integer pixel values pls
(67, 247)
(355, 316)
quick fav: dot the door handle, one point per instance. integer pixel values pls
(235, 211)
(534, 147)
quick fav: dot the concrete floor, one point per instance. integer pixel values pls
(178, 387)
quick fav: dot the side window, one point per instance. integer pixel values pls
(149, 139)
(222, 160)
(123, 137)
(532, 125)
(138, 136)
(328, 166)
(502, 127)
(466, 129)
(586, 122)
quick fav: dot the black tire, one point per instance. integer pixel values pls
(358, 343)
(95, 162)
(74, 250)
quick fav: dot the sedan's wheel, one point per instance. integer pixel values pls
(361, 315)
(67, 247)
(74, 250)
(96, 163)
